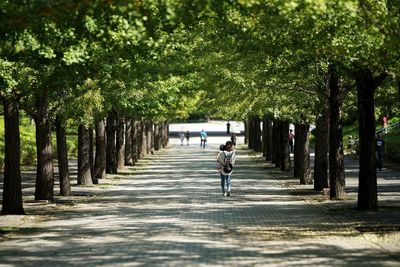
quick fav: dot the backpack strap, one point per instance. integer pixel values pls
(226, 157)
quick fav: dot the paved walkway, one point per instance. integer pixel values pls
(168, 211)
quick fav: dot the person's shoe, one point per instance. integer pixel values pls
(228, 194)
(224, 194)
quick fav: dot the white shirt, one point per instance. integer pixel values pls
(221, 159)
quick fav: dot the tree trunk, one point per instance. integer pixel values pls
(264, 136)
(101, 150)
(257, 134)
(157, 137)
(246, 132)
(336, 157)
(250, 133)
(139, 137)
(269, 140)
(277, 144)
(321, 152)
(120, 143)
(367, 188)
(91, 155)
(284, 153)
(62, 154)
(128, 142)
(144, 139)
(12, 192)
(303, 143)
(84, 172)
(111, 154)
(398, 88)
(135, 137)
(149, 137)
(165, 134)
(297, 160)
(45, 174)
(160, 135)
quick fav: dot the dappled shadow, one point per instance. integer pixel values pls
(169, 211)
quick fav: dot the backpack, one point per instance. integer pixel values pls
(227, 165)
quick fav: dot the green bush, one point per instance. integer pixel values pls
(392, 143)
(28, 142)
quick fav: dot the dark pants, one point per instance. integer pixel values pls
(291, 146)
(203, 143)
(379, 160)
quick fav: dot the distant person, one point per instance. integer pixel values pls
(226, 160)
(233, 139)
(350, 142)
(187, 135)
(291, 140)
(379, 148)
(203, 139)
(182, 137)
(385, 121)
(228, 128)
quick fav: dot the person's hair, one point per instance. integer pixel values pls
(228, 145)
(222, 147)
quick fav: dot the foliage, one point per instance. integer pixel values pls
(163, 59)
(28, 142)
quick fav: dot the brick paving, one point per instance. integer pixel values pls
(168, 211)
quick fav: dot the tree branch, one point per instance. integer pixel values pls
(379, 80)
(306, 91)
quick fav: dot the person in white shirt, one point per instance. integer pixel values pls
(226, 160)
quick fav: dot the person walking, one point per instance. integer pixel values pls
(291, 140)
(226, 160)
(379, 148)
(385, 120)
(203, 139)
(182, 137)
(187, 135)
(233, 139)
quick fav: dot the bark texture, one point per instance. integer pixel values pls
(157, 136)
(269, 140)
(367, 187)
(91, 155)
(44, 189)
(144, 139)
(128, 142)
(62, 154)
(246, 132)
(12, 191)
(297, 160)
(284, 148)
(101, 150)
(277, 144)
(149, 137)
(84, 172)
(120, 143)
(111, 154)
(321, 152)
(135, 141)
(336, 157)
(303, 143)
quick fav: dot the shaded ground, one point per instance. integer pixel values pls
(169, 211)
